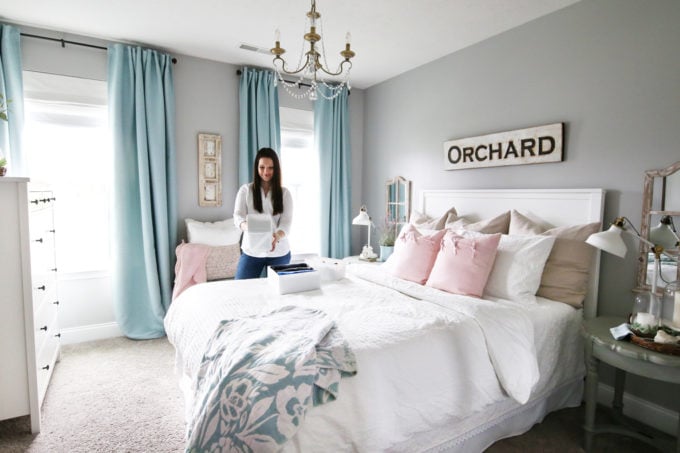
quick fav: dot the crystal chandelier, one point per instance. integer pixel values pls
(313, 62)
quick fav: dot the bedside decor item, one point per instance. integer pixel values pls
(313, 62)
(3, 166)
(363, 219)
(388, 234)
(209, 170)
(670, 306)
(660, 204)
(647, 308)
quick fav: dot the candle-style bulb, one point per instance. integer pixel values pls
(277, 35)
(348, 38)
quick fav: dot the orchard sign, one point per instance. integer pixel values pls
(534, 145)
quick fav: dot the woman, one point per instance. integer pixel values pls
(264, 195)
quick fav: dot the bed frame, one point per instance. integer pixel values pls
(557, 207)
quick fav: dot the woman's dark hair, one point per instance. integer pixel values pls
(274, 184)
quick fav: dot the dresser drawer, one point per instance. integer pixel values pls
(44, 289)
(46, 356)
(45, 322)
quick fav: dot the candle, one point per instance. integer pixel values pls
(645, 319)
(676, 311)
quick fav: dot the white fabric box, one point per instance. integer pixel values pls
(293, 283)
(329, 269)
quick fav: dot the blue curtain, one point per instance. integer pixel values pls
(142, 117)
(259, 118)
(12, 89)
(331, 137)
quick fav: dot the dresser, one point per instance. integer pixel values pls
(29, 332)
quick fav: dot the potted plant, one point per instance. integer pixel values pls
(3, 166)
(388, 234)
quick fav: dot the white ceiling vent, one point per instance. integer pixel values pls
(253, 48)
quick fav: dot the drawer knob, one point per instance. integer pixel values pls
(46, 367)
(56, 302)
(42, 287)
(39, 240)
(34, 201)
(58, 335)
(44, 328)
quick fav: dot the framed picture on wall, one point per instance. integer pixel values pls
(209, 170)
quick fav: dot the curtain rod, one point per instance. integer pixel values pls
(239, 72)
(75, 43)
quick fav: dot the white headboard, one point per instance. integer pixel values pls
(558, 207)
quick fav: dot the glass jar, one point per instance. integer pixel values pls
(644, 321)
(670, 308)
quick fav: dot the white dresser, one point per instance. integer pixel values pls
(29, 332)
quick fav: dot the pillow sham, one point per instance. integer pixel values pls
(218, 233)
(462, 265)
(566, 272)
(498, 224)
(222, 261)
(517, 270)
(423, 221)
(414, 254)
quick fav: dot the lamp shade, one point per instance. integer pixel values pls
(663, 234)
(362, 218)
(610, 241)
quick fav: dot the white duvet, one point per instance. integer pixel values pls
(425, 358)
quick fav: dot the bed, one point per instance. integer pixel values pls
(435, 371)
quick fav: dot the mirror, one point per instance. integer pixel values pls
(398, 196)
(660, 198)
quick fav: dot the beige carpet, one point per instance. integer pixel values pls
(121, 395)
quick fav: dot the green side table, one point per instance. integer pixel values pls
(626, 357)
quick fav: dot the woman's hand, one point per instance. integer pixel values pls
(276, 237)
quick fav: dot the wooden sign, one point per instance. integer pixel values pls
(534, 145)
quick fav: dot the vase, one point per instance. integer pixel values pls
(385, 252)
(3, 171)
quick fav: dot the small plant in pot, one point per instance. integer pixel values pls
(388, 234)
(3, 166)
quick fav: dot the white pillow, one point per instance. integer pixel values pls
(516, 273)
(219, 233)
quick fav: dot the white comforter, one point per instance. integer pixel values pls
(423, 356)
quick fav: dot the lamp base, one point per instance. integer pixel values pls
(367, 254)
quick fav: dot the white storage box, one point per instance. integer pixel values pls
(294, 282)
(329, 268)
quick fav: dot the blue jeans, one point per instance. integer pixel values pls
(251, 267)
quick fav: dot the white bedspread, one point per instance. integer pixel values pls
(424, 357)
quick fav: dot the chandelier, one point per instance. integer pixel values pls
(314, 63)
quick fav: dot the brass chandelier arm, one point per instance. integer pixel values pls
(286, 71)
(340, 69)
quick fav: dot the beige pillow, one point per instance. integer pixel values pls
(420, 220)
(565, 275)
(222, 261)
(498, 224)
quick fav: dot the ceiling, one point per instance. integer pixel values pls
(389, 37)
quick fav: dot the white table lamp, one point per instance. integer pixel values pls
(364, 219)
(611, 241)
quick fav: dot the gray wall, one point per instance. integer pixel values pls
(608, 69)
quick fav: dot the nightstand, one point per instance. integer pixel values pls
(355, 259)
(626, 357)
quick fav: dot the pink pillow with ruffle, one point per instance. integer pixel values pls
(414, 254)
(463, 264)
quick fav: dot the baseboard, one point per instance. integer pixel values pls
(644, 411)
(90, 333)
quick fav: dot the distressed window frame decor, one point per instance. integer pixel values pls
(209, 170)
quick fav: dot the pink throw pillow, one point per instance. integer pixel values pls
(414, 254)
(463, 264)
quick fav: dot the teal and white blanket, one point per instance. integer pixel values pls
(261, 374)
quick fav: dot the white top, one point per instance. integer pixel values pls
(244, 206)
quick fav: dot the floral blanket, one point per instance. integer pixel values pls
(261, 374)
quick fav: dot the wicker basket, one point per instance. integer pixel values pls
(648, 343)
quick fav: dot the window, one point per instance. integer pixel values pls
(67, 141)
(300, 174)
